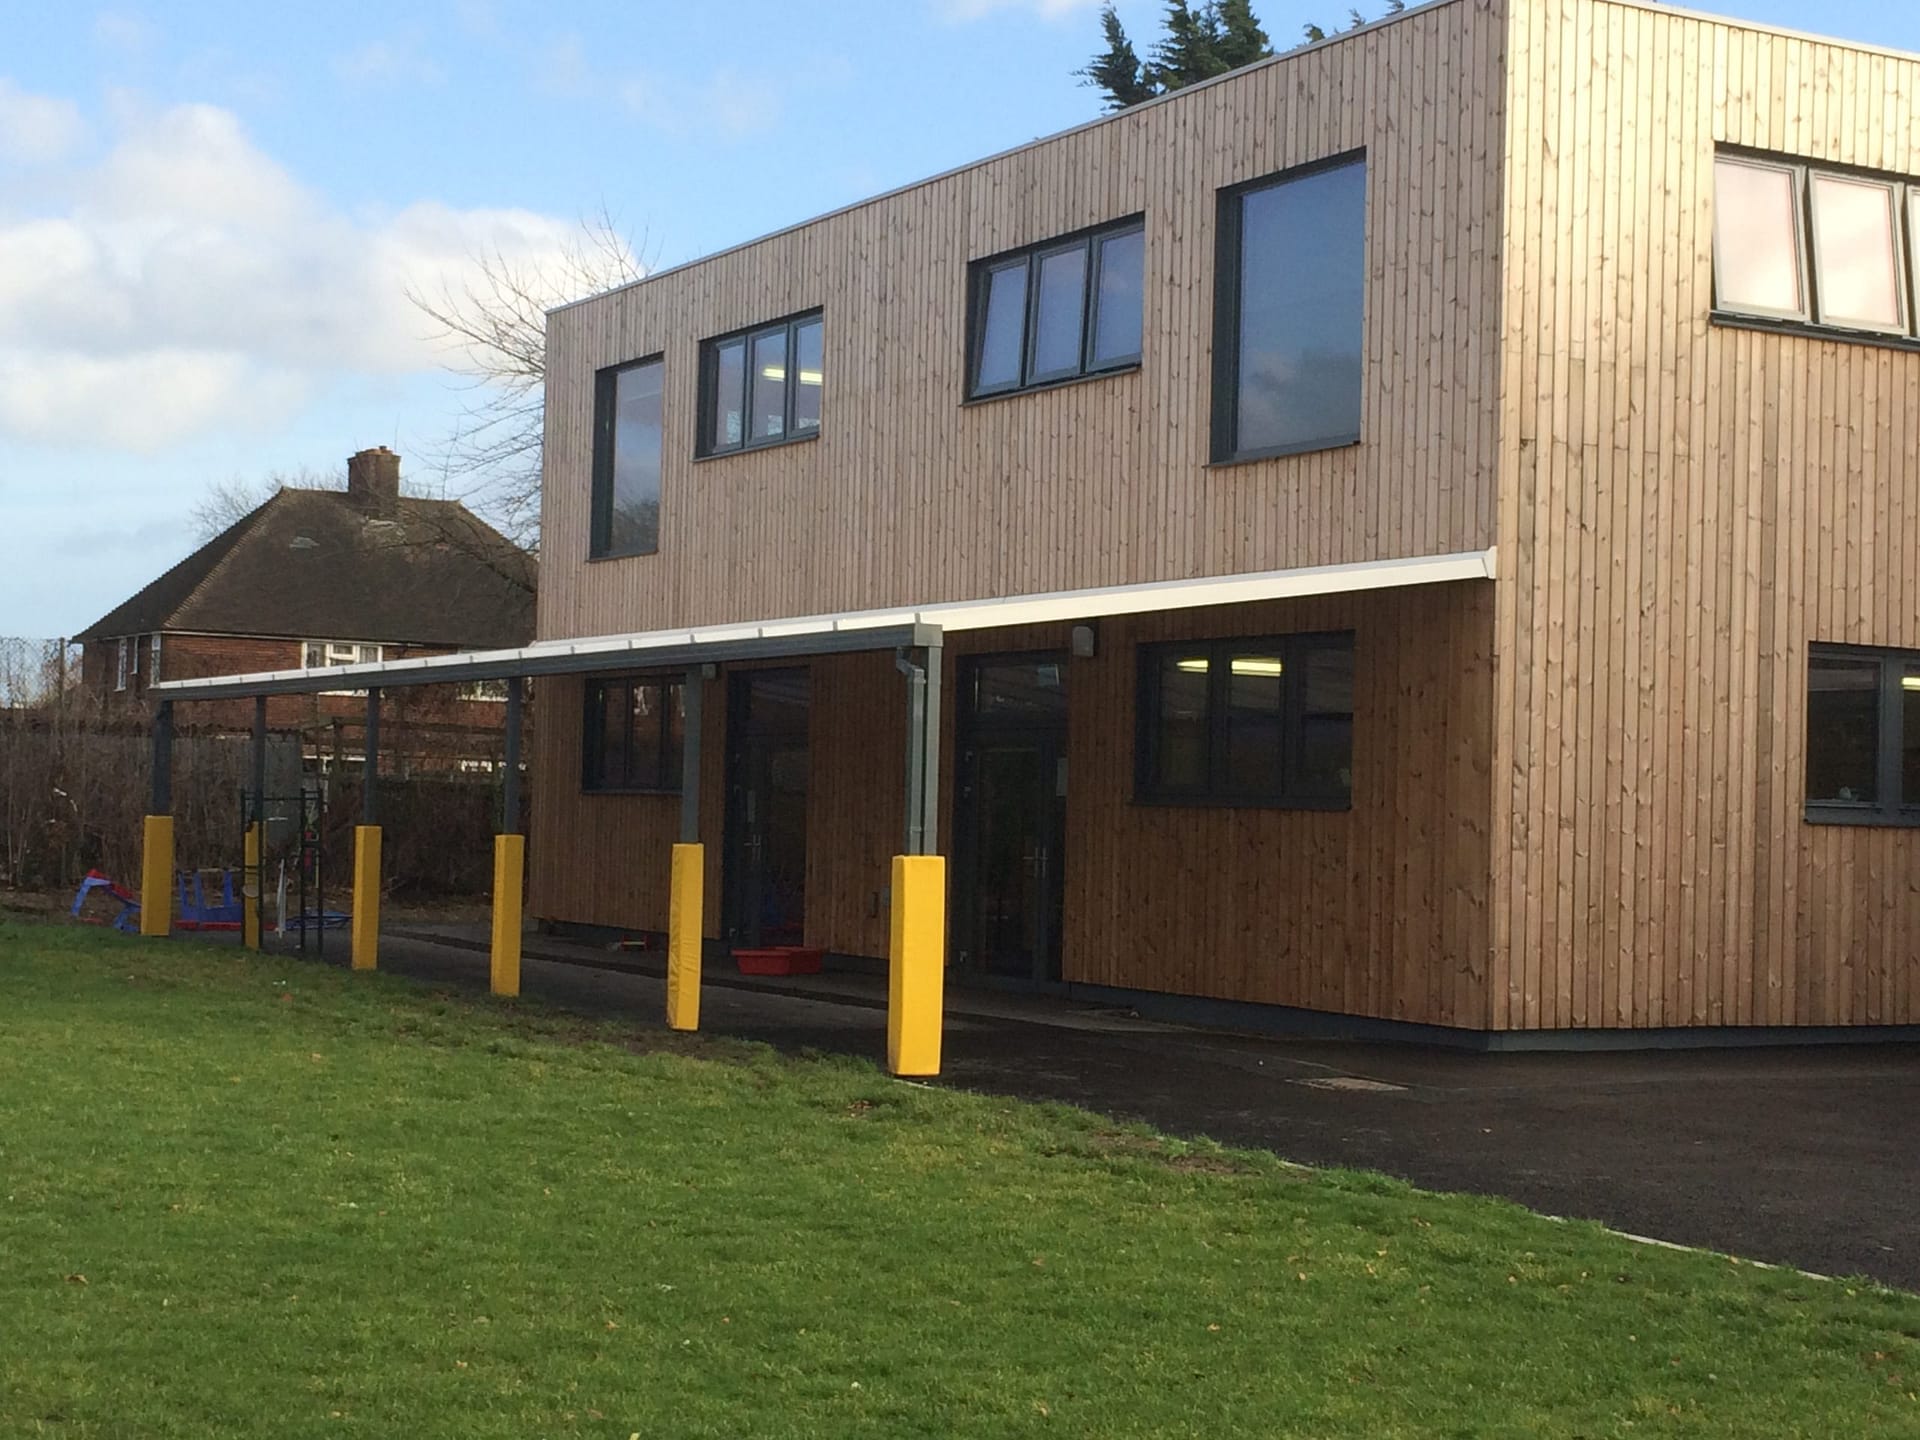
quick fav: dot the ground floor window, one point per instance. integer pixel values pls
(1863, 736)
(635, 735)
(1263, 721)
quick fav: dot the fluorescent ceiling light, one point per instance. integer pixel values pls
(779, 372)
(1910, 682)
(1244, 665)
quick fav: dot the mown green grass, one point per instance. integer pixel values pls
(252, 1197)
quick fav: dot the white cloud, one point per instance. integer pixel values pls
(727, 101)
(191, 284)
(37, 129)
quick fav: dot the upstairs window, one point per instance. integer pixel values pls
(1265, 721)
(153, 658)
(627, 438)
(120, 671)
(319, 654)
(1289, 312)
(761, 386)
(1829, 248)
(1863, 736)
(635, 735)
(1056, 311)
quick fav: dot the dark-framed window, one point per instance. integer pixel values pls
(1289, 311)
(1262, 720)
(761, 386)
(1056, 311)
(635, 735)
(627, 437)
(1817, 246)
(1863, 736)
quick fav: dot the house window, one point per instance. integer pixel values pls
(120, 672)
(762, 386)
(635, 735)
(1836, 249)
(1290, 283)
(322, 653)
(153, 659)
(1057, 311)
(1247, 722)
(484, 690)
(627, 437)
(1863, 736)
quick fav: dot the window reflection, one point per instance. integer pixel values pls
(1059, 308)
(1120, 300)
(1756, 238)
(1299, 323)
(1853, 247)
(1843, 730)
(625, 512)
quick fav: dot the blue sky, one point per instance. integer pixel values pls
(210, 211)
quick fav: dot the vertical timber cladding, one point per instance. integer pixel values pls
(1381, 910)
(1684, 509)
(908, 496)
(605, 859)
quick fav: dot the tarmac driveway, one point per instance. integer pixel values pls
(1804, 1157)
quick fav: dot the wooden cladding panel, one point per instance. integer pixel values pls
(910, 496)
(1684, 509)
(1382, 910)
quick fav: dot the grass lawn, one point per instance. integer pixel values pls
(254, 1197)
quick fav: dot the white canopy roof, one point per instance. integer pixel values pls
(848, 630)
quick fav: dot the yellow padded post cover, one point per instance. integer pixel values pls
(509, 871)
(366, 897)
(684, 923)
(917, 964)
(156, 876)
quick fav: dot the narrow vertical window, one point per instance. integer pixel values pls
(120, 675)
(626, 461)
(1856, 253)
(1843, 730)
(1119, 296)
(762, 387)
(1002, 325)
(153, 658)
(768, 415)
(1290, 314)
(1756, 239)
(1059, 313)
(806, 379)
(1909, 707)
(727, 395)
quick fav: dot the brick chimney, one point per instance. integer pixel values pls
(373, 480)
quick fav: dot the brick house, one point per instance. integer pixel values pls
(316, 578)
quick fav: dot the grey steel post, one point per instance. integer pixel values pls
(162, 759)
(916, 749)
(693, 690)
(510, 787)
(930, 753)
(260, 768)
(370, 768)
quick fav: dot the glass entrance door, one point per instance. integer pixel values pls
(766, 831)
(1012, 815)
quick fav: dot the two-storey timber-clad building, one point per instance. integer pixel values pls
(1426, 527)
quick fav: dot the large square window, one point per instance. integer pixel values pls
(1265, 721)
(1289, 315)
(762, 386)
(635, 735)
(627, 433)
(1057, 311)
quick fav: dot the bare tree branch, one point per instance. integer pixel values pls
(495, 330)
